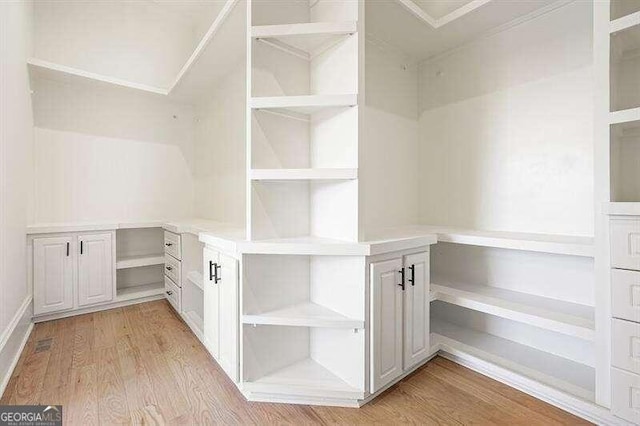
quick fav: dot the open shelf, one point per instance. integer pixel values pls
(304, 378)
(195, 278)
(623, 209)
(630, 115)
(624, 23)
(139, 261)
(304, 40)
(140, 291)
(307, 104)
(303, 315)
(303, 174)
(554, 315)
(560, 373)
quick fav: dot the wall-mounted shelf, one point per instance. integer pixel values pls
(560, 373)
(140, 291)
(303, 315)
(138, 261)
(624, 23)
(303, 104)
(303, 174)
(304, 39)
(304, 378)
(625, 116)
(554, 315)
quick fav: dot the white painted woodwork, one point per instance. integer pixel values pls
(172, 292)
(303, 174)
(625, 345)
(307, 37)
(172, 244)
(625, 395)
(304, 104)
(173, 269)
(386, 323)
(139, 260)
(140, 291)
(625, 243)
(95, 269)
(211, 302)
(621, 8)
(53, 274)
(416, 309)
(625, 294)
(228, 352)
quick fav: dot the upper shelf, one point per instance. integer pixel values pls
(303, 315)
(303, 174)
(221, 49)
(304, 40)
(624, 23)
(304, 104)
(625, 116)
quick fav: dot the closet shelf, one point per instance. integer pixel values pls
(554, 315)
(624, 23)
(308, 104)
(306, 40)
(303, 315)
(625, 116)
(543, 367)
(195, 278)
(140, 260)
(139, 291)
(304, 378)
(303, 174)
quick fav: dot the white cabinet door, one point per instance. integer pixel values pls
(228, 287)
(211, 307)
(52, 274)
(386, 323)
(95, 269)
(416, 309)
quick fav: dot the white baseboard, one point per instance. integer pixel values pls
(574, 405)
(13, 341)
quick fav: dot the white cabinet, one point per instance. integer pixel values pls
(53, 274)
(399, 316)
(95, 269)
(220, 310)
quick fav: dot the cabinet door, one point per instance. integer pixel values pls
(95, 269)
(211, 306)
(228, 350)
(52, 274)
(416, 309)
(386, 323)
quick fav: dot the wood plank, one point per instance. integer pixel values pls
(112, 396)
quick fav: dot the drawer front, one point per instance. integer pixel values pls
(625, 345)
(625, 395)
(625, 243)
(172, 244)
(172, 269)
(625, 294)
(172, 293)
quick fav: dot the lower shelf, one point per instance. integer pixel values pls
(303, 315)
(560, 373)
(304, 378)
(139, 291)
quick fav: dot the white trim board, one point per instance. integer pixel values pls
(450, 17)
(14, 339)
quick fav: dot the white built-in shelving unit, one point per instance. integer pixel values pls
(139, 263)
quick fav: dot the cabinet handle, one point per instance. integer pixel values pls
(412, 280)
(169, 292)
(210, 270)
(67, 249)
(169, 268)
(81, 247)
(216, 278)
(401, 278)
(168, 244)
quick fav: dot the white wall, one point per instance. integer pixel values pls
(220, 171)
(139, 41)
(389, 163)
(103, 154)
(16, 139)
(506, 129)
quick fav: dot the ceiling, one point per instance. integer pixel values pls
(405, 24)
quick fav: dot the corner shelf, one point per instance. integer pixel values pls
(303, 174)
(304, 378)
(304, 40)
(551, 370)
(138, 261)
(140, 291)
(307, 104)
(303, 315)
(554, 315)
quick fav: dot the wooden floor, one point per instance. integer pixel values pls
(141, 364)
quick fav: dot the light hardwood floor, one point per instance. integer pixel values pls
(142, 365)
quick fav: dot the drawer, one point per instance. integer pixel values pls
(625, 395)
(172, 293)
(625, 294)
(172, 269)
(625, 345)
(625, 243)
(172, 244)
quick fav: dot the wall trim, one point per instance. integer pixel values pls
(22, 316)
